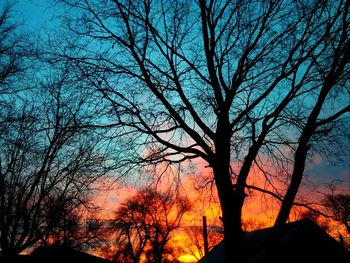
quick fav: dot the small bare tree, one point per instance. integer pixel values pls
(144, 224)
(339, 207)
(195, 237)
(74, 225)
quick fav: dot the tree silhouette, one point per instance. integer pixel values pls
(226, 81)
(47, 165)
(339, 206)
(144, 224)
(73, 226)
(195, 238)
(15, 49)
(331, 78)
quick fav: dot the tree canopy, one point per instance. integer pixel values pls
(240, 84)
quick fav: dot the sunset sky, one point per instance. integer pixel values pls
(40, 17)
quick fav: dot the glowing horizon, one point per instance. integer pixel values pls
(259, 211)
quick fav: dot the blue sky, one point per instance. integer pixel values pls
(36, 15)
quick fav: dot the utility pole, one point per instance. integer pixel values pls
(205, 235)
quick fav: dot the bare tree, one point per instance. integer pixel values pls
(45, 157)
(74, 226)
(144, 224)
(332, 73)
(339, 207)
(48, 163)
(195, 236)
(226, 81)
(14, 50)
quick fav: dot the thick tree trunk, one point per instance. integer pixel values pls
(231, 209)
(231, 215)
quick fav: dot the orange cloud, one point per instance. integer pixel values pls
(259, 210)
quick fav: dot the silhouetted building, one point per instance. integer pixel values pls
(299, 241)
(56, 255)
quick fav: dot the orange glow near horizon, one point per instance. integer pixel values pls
(259, 211)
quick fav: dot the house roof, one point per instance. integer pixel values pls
(56, 255)
(299, 241)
